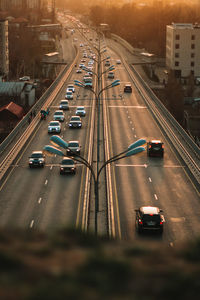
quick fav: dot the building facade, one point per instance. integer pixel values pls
(4, 57)
(21, 4)
(183, 49)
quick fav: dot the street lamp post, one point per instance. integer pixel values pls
(133, 149)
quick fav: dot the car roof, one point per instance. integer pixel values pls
(37, 152)
(67, 158)
(156, 141)
(73, 142)
(80, 107)
(58, 111)
(150, 210)
(54, 122)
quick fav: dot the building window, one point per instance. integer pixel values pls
(177, 37)
(176, 55)
(192, 55)
(176, 63)
(177, 46)
(193, 37)
(192, 64)
(192, 46)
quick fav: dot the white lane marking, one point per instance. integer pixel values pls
(121, 106)
(155, 196)
(39, 200)
(131, 122)
(32, 222)
(135, 135)
(120, 165)
(171, 244)
(51, 167)
(150, 179)
(46, 182)
(128, 117)
(133, 128)
(178, 220)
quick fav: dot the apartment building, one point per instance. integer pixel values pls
(183, 49)
(21, 4)
(4, 58)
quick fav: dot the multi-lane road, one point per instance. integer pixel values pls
(43, 199)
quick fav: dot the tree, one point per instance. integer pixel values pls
(175, 97)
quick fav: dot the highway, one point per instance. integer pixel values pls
(42, 199)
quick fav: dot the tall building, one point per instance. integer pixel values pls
(7, 4)
(4, 58)
(183, 49)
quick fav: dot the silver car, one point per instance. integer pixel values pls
(80, 111)
(54, 127)
(64, 104)
(59, 116)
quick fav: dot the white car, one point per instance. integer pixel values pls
(69, 95)
(71, 88)
(59, 116)
(118, 62)
(54, 127)
(80, 111)
(64, 104)
(111, 75)
(73, 147)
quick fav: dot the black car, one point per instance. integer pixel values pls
(128, 88)
(37, 159)
(149, 218)
(67, 166)
(155, 148)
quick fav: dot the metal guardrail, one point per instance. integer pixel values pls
(26, 133)
(185, 146)
(37, 106)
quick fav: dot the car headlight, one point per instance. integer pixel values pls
(62, 169)
(30, 162)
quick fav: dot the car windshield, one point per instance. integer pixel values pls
(73, 145)
(64, 102)
(75, 119)
(54, 124)
(151, 217)
(36, 155)
(67, 162)
(80, 108)
(70, 87)
(156, 146)
(69, 93)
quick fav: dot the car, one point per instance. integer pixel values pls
(67, 165)
(37, 159)
(111, 75)
(155, 148)
(69, 95)
(84, 55)
(78, 71)
(75, 122)
(81, 66)
(73, 148)
(128, 88)
(88, 82)
(81, 44)
(54, 127)
(107, 63)
(59, 116)
(80, 111)
(64, 104)
(87, 78)
(149, 218)
(25, 78)
(118, 62)
(71, 88)
(83, 60)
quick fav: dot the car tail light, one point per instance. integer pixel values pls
(149, 146)
(140, 221)
(162, 146)
(161, 223)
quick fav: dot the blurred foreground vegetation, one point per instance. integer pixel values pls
(68, 264)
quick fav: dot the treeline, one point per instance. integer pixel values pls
(144, 27)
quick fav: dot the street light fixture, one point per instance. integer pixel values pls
(133, 149)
